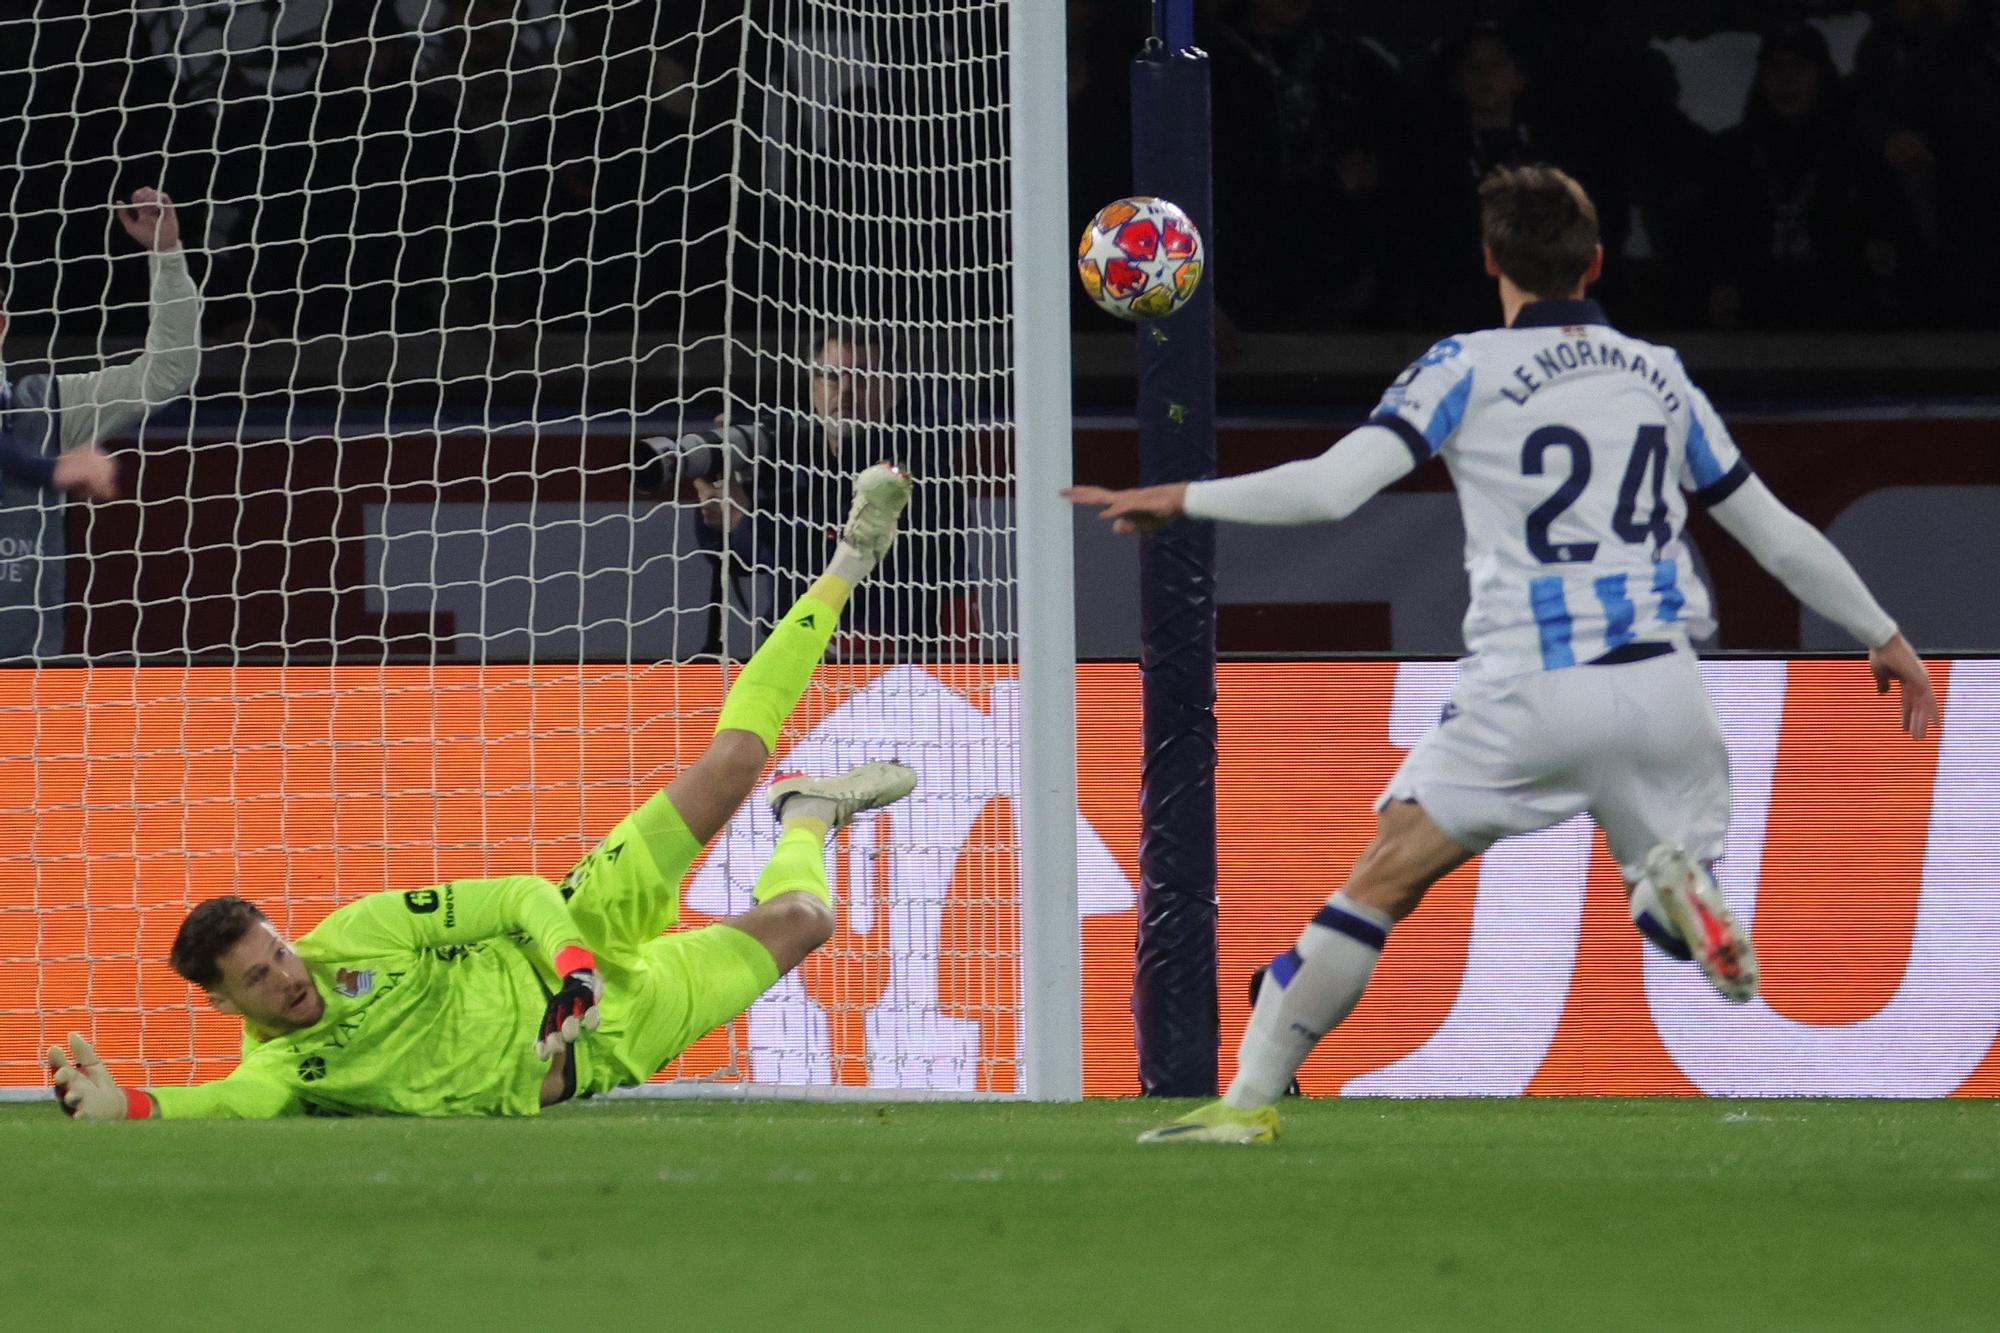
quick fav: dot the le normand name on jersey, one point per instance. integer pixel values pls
(1579, 352)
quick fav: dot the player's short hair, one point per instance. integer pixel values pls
(1541, 227)
(210, 931)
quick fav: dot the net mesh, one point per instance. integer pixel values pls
(400, 591)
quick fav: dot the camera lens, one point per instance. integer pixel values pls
(701, 456)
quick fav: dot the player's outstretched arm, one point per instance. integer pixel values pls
(1136, 509)
(1897, 661)
(1799, 556)
(86, 1090)
(1312, 490)
(99, 404)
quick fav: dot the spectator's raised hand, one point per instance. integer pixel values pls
(87, 470)
(150, 220)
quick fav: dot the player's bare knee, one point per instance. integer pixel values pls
(709, 791)
(790, 925)
(733, 763)
(804, 919)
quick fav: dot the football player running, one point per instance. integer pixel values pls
(503, 996)
(1575, 450)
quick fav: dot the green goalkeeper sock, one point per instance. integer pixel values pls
(771, 682)
(797, 864)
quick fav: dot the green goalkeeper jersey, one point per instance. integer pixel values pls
(433, 1001)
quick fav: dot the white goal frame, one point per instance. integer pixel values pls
(1051, 935)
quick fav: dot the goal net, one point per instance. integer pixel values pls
(539, 343)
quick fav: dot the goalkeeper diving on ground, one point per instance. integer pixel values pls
(1576, 451)
(503, 996)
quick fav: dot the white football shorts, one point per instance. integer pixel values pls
(1636, 745)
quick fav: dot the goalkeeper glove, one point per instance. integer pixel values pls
(573, 1007)
(86, 1090)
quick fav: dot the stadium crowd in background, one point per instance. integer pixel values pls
(1760, 165)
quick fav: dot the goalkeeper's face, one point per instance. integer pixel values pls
(264, 979)
(849, 385)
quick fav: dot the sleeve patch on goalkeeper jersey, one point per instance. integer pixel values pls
(421, 901)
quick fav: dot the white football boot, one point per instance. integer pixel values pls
(881, 493)
(868, 787)
(1701, 914)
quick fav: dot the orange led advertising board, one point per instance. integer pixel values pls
(1868, 864)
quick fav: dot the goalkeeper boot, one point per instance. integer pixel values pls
(1701, 914)
(837, 800)
(1218, 1122)
(881, 493)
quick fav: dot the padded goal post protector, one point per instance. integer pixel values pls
(1174, 982)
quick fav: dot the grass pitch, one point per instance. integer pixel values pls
(1368, 1214)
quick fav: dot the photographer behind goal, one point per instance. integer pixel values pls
(772, 490)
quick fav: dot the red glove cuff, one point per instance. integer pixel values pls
(138, 1106)
(574, 958)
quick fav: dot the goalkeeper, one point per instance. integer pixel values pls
(502, 996)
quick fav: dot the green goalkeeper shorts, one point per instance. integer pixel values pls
(661, 991)
(694, 981)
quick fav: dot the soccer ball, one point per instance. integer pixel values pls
(1140, 258)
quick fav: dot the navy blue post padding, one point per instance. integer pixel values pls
(1174, 1005)
(1173, 24)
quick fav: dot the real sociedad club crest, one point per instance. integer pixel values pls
(353, 984)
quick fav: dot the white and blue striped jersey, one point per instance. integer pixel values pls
(1575, 450)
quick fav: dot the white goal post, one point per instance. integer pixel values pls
(401, 593)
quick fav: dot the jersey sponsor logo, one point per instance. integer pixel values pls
(1397, 394)
(354, 983)
(1443, 350)
(421, 901)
